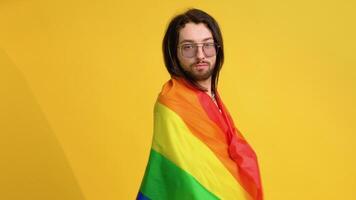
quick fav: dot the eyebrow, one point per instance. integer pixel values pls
(192, 41)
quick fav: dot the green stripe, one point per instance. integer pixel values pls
(164, 180)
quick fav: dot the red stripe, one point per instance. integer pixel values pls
(239, 150)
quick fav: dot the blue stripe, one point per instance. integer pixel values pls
(140, 196)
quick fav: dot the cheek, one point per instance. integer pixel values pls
(185, 63)
(213, 62)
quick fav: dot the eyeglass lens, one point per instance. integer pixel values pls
(190, 50)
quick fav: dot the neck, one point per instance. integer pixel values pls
(206, 84)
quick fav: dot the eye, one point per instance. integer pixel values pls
(187, 46)
(209, 45)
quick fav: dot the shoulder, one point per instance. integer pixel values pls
(178, 90)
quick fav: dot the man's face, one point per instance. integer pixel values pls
(199, 65)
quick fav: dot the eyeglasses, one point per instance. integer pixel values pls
(190, 50)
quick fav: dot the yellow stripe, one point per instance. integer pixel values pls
(173, 139)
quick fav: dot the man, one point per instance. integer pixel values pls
(197, 153)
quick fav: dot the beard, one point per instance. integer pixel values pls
(200, 74)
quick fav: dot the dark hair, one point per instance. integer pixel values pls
(171, 39)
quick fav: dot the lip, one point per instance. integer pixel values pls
(201, 65)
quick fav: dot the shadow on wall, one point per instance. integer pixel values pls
(32, 164)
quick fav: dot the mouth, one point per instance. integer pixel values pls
(201, 65)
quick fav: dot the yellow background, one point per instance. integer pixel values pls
(78, 80)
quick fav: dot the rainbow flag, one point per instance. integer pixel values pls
(197, 152)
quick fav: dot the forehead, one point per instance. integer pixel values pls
(195, 32)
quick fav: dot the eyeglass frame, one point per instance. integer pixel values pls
(200, 44)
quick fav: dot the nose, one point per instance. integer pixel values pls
(200, 53)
